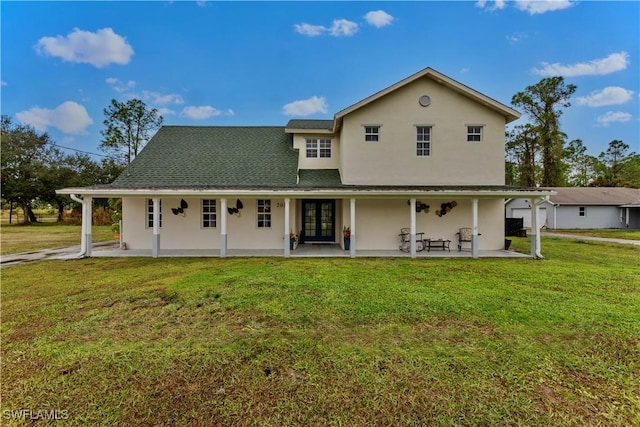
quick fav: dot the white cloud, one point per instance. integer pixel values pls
(516, 37)
(3, 83)
(612, 63)
(612, 95)
(534, 7)
(378, 18)
(339, 28)
(342, 27)
(120, 86)
(309, 30)
(305, 107)
(613, 117)
(69, 117)
(99, 49)
(495, 5)
(166, 112)
(204, 112)
(161, 98)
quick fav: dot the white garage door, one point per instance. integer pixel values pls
(526, 214)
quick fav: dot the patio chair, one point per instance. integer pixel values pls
(464, 236)
(405, 240)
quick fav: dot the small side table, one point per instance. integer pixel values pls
(437, 244)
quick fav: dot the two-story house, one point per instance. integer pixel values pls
(425, 154)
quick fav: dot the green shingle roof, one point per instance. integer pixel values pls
(320, 178)
(214, 157)
(310, 124)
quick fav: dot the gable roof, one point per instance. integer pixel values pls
(309, 124)
(509, 113)
(606, 196)
(211, 156)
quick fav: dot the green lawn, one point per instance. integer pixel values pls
(26, 238)
(355, 342)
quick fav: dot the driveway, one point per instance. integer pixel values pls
(590, 238)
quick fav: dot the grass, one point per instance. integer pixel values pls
(260, 341)
(26, 238)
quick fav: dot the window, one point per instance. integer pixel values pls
(208, 213)
(372, 133)
(264, 213)
(319, 148)
(582, 211)
(423, 140)
(150, 213)
(474, 133)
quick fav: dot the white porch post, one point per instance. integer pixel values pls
(87, 219)
(474, 228)
(352, 214)
(412, 205)
(155, 244)
(287, 228)
(535, 227)
(223, 228)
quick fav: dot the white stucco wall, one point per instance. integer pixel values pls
(393, 160)
(178, 232)
(333, 162)
(378, 222)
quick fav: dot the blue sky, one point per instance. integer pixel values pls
(264, 63)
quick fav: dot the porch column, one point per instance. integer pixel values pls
(412, 205)
(87, 219)
(223, 228)
(474, 228)
(352, 219)
(155, 244)
(535, 227)
(287, 228)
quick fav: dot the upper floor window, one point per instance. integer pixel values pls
(423, 140)
(208, 213)
(264, 213)
(318, 148)
(474, 133)
(372, 133)
(150, 213)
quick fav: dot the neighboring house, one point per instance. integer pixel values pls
(427, 140)
(583, 207)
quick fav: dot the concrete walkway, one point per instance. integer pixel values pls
(59, 253)
(589, 238)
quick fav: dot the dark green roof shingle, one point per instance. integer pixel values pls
(214, 157)
(310, 124)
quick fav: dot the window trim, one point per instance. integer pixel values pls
(264, 214)
(375, 132)
(149, 222)
(429, 143)
(319, 147)
(206, 216)
(470, 134)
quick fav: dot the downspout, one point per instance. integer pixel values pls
(83, 238)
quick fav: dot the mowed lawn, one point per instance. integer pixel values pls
(17, 238)
(345, 342)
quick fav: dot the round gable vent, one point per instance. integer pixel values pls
(424, 100)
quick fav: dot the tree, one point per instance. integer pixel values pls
(24, 157)
(129, 126)
(522, 152)
(581, 166)
(618, 167)
(542, 102)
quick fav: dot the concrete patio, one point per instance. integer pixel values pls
(305, 251)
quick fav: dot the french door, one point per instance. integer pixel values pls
(319, 221)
